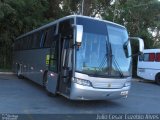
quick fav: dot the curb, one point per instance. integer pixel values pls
(7, 73)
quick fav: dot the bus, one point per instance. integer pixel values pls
(78, 57)
(148, 66)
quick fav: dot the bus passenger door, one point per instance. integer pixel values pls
(65, 66)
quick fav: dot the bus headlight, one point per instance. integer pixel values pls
(81, 81)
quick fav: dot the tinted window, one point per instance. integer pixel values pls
(16, 45)
(43, 36)
(141, 57)
(36, 40)
(53, 57)
(21, 44)
(25, 43)
(65, 28)
(146, 57)
(158, 57)
(48, 36)
(92, 26)
(149, 57)
(30, 40)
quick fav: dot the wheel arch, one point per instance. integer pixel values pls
(157, 78)
(44, 75)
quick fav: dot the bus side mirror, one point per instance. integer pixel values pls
(141, 43)
(79, 34)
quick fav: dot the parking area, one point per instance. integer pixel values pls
(24, 96)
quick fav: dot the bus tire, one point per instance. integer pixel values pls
(157, 79)
(45, 82)
(19, 72)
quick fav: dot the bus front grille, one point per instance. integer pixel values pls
(107, 85)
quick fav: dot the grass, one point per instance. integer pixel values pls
(5, 70)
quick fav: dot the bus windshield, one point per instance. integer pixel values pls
(117, 38)
(103, 54)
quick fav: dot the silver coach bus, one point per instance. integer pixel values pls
(81, 58)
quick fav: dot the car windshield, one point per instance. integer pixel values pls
(103, 54)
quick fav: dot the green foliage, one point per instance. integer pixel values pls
(138, 16)
(141, 17)
(17, 17)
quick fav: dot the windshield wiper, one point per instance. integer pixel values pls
(104, 61)
(117, 66)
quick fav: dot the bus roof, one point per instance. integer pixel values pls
(64, 18)
(151, 50)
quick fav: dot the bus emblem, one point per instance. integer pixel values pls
(109, 85)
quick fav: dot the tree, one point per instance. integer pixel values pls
(18, 17)
(137, 16)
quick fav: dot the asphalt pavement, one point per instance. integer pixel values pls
(22, 96)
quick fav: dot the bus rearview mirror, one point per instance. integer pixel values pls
(141, 43)
(79, 34)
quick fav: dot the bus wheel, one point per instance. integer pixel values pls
(158, 78)
(19, 73)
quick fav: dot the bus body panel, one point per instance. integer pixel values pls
(148, 74)
(52, 82)
(148, 69)
(33, 63)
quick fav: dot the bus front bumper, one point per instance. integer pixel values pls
(80, 92)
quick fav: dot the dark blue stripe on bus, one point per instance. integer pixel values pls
(149, 68)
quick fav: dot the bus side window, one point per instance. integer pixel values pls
(149, 56)
(15, 45)
(21, 44)
(36, 40)
(42, 39)
(141, 57)
(28, 42)
(34, 37)
(49, 35)
(53, 57)
(157, 57)
(25, 43)
(146, 57)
